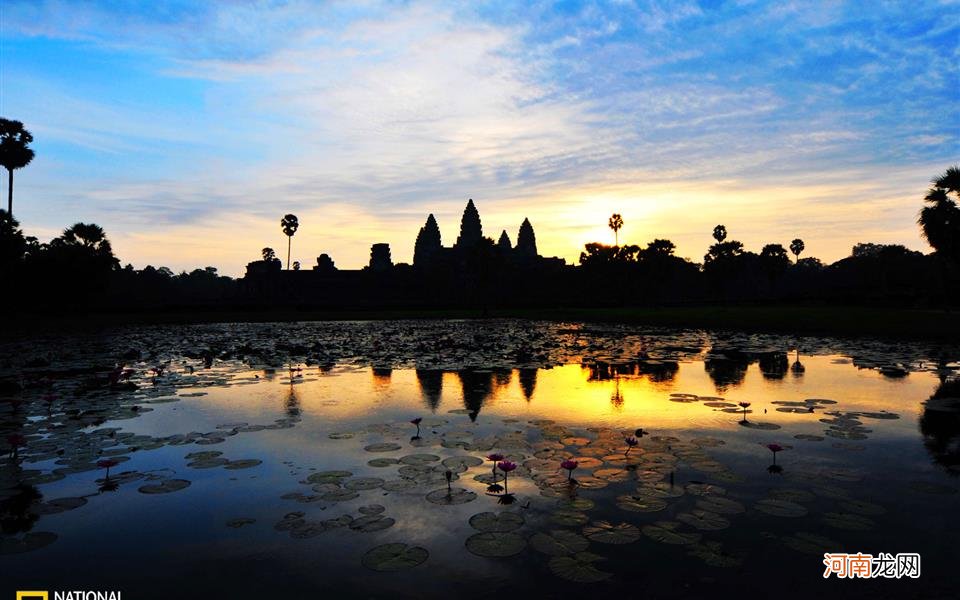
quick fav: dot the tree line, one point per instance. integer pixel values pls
(78, 269)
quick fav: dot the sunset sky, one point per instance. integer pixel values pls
(189, 129)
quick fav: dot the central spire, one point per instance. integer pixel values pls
(471, 232)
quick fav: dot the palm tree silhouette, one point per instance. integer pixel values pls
(940, 220)
(268, 254)
(15, 152)
(615, 223)
(289, 224)
(796, 246)
(719, 233)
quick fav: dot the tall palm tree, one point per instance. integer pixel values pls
(615, 223)
(15, 152)
(796, 246)
(289, 224)
(719, 233)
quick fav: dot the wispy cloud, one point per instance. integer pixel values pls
(179, 126)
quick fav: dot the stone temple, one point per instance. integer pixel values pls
(429, 251)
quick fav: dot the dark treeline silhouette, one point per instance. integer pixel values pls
(78, 270)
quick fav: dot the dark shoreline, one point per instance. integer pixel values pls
(841, 321)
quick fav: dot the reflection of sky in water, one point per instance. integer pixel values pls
(152, 544)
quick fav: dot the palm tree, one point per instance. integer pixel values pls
(15, 152)
(719, 233)
(296, 265)
(289, 224)
(615, 223)
(940, 220)
(796, 247)
(268, 254)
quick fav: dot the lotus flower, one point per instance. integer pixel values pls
(569, 465)
(631, 442)
(106, 464)
(640, 432)
(775, 448)
(744, 406)
(449, 475)
(506, 466)
(417, 423)
(16, 440)
(495, 458)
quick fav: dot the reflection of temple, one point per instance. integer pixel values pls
(726, 367)
(431, 386)
(477, 386)
(528, 381)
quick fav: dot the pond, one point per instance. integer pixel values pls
(281, 460)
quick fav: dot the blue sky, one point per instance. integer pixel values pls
(188, 129)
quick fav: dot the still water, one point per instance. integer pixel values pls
(239, 480)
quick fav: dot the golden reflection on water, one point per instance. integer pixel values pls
(571, 395)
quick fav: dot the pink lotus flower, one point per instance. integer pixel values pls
(106, 463)
(417, 423)
(775, 448)
(16, 440)
(495, 458)
(506, 466)
(569, 465)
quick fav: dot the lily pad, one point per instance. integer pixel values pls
(363, 483)
(720, 505)
(372, 509)
(641, 503)
(496, 522)
(848, 521)
(419, 459)
(559, 542)
(398, 485)
(462, 462)
(569, 518)
(703, 520)
(453, 496)
(240, 522)
(496, 545)
(712, 554)
(578, 568)
(605, 532)
(666, 532)
(245, 463)
(382, 462)
(30, 542)
(340, 495)
(780, 508)
(394, 557)
(371, 523)
(166, 486)
(328, 476)
(811, 543)
(383, 447)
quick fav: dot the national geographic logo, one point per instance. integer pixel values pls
(70, 595)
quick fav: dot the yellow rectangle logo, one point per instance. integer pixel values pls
(33, 596)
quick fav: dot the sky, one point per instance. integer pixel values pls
(187, 130)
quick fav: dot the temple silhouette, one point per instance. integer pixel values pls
(474, 271)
